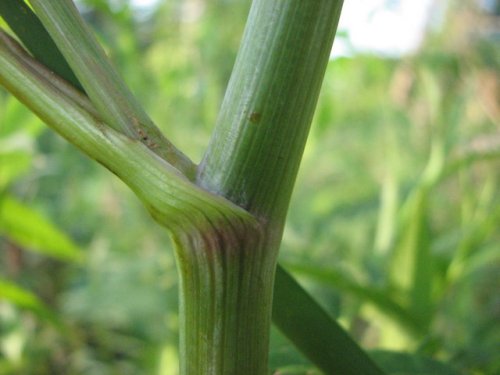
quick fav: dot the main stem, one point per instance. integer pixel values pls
(226, 295)
(227, 269)
(262, 128)
(226, 255)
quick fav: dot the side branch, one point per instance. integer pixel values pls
(172, 199)
(102, 83)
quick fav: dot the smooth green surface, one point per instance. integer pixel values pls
(327, 345)
(257, 145)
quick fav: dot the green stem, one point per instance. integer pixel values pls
(226, 278)
(255, 151)
(253, 160)
(171, 198)
(225, 257)
(226, 295)
(102, 83)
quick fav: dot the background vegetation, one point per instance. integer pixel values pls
(393, 225)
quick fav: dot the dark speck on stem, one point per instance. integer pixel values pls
(255, 117)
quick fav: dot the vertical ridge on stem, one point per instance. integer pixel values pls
(226, 292)
(255, 150)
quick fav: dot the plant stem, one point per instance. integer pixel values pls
(102, 83)
(255, 151)
(172, 199)
(226, 257)
(225, 290)
(252, 160)
(226, 296)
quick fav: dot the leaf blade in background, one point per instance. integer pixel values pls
(31, 230)
(417, 245)
(15, 119)
(25, 299)
(314, 333)
(18, 129)
(35, 38)
(13, 164)
(339, 281)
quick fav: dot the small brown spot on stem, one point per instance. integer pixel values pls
(142, 134)
(255, 117)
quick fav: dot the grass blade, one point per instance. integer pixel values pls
(33, 231)
(314, 333)
(377, 297)
(24, 299)
(26, 25)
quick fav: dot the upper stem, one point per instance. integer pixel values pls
(255, 151)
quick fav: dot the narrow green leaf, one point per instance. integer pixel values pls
(283, 354)
(412, 263)
(477, 227)
(379, 298)
(412, 268)
(26, 25)
(468, 160)
(25, 299)
(314, 333)
(33, 231)
(17, 130)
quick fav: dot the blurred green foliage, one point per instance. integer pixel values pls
(393, 224)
